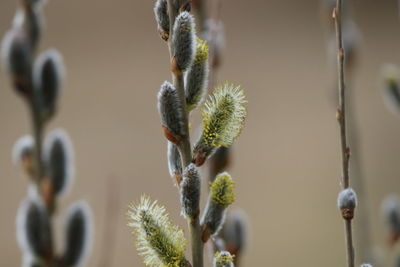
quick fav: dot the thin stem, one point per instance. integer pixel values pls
(185, 146)
(342, 122)
(38, 136)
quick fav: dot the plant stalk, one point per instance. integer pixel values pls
(185, 146)
(37, 128)
(341, 115)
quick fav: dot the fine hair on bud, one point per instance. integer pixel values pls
(223, 120)
(183, 41)
(174, 162)
(190, 192)
(162, 18)
(23, 150)
(221, 196)
(366, 265)
(48, 75)
(159, 241)
(58, 157)
(17, 58)
(391, 214)
(33, 229)
(391, 87)
(196, 79)
(347, 202)
(78, 234)
(223, 259)
(235, 231)
(171, 113)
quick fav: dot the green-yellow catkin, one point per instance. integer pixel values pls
(222, 190)
(161, 243)
(223, 259)
(223, 120)
(221, 196)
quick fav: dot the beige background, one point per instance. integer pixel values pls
(287, 164)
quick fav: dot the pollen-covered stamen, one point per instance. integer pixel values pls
(159, 241)
(223, 259)
(223, 120)
(221, 196)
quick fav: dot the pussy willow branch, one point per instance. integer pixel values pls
(342, 122)
(184, 146)
(362, 233)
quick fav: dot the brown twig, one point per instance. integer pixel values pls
(341, 116)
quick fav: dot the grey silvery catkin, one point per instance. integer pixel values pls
(162, 18)
(171, 113)
(196, 79)
(58, 157)
(77, 234)
(48, 75)
(235, 231)
(190, 192)
(17, 57)
(174, 163)
(347, 202)
(365, 265)
(221, 196)
(183, 42)
(391, 215)
(223, 259)
(33, 229)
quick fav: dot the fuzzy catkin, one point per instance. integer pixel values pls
(33, 229)
(174, 161)
(196, 79)
(183, 41)
(190, 192)
(162, 18)
(391, 214)
(17, 56)
(159, 241)
(171, 112)
(223, 259)
(221, 196)
(223, 120)
(235, 231)
(58, 157)
(347, 199)
(78, 231)
(48, 75)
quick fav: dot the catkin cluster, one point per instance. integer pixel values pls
(49, 163)
(159, 241)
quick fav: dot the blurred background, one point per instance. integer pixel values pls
(287, 160)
